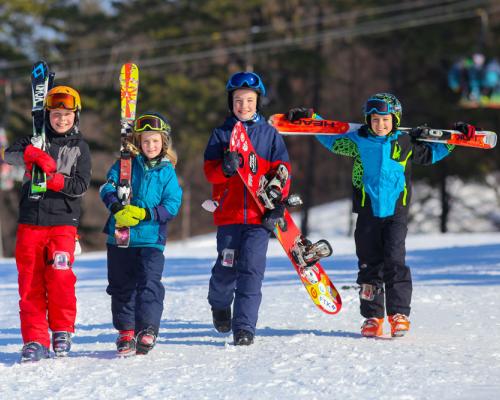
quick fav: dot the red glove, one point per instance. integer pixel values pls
(55, 182)
(33, 155)
(468, 130)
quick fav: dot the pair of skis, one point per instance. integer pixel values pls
(310, 126)
(129, 87)
(42, 81)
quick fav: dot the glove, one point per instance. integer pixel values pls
(115, 207)
(230, 163)
(33, 155)
(55, 182)
(273, 217)
(123, 218)
(300, 112)
(415, 133)
(468, 130)
(142, 214)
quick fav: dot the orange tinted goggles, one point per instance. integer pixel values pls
(61, 100)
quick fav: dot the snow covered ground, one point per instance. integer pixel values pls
(452, 351)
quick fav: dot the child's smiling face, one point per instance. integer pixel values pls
(61, 120)
(381, 124)
(244, 104)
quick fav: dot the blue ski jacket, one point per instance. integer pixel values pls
(156, 189)
(381, 175)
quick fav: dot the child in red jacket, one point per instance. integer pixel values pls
(242, 235)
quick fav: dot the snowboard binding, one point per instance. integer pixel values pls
(271, 187)
(306, 254)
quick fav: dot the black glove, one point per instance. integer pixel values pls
(468, 130)
(115, 207)
(230, 163)
(415, 133)
(300, 112)
(273, 217)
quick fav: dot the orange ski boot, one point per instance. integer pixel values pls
(372, 327)
(400, 325)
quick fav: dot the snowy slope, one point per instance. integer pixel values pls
(452, 352)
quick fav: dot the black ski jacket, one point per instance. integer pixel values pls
(72, 155)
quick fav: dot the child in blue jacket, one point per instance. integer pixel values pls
(381, 180)
(134, 272)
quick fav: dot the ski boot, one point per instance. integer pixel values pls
(222, 319)
(146, 340)
(243, 338)
(61, 343)
(306, 254)
(34, 351)
(372, 327)
(400, 325)
(125, 344)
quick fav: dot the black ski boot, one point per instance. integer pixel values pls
(146, 340)
(34, 351)
(222, 319)
(243, 338)
(61, 343)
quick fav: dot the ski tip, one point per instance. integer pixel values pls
(491, 139)
(40, 70)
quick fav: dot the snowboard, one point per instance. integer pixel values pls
(129, 86)
(41, 82)
(317, 283)
(311, 126)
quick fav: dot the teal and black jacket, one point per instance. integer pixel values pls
(381, 174)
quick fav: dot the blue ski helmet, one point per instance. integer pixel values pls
(383, 104)
(245, 80)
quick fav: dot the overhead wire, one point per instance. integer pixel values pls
(216, 37)
(378, 26)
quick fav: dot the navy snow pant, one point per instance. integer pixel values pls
(134, 276)
(241, 279)
(380, 247)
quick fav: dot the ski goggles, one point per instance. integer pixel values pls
(377, 106)
(151, 123)
(246, 79)
(61, 100)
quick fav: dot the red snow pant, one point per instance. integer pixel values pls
(44, 256)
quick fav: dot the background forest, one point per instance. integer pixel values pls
(330, 55)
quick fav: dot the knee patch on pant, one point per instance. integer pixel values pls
(368, 292)
(60, 260)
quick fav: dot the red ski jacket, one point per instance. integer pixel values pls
(236, 205)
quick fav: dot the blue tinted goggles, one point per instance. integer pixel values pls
(246, 79)
(376, 106)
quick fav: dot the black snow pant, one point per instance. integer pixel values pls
(137, 293)
(383, 274)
